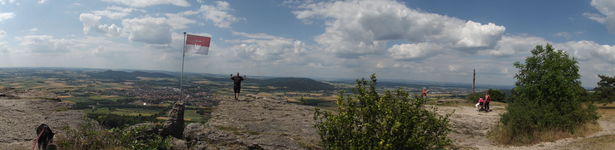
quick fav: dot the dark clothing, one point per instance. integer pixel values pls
(487, 106)
(237, 83)
(44, 136)
(236, 89)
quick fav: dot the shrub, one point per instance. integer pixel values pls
(393, 120)
(91, 135)
(496, 95)
(109, 121)
(473, 97)
(88, 135)
(605, 92)
(547, 97)
(141, 138)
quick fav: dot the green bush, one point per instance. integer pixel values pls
(393, 120)
(496, 95)
(547, 97)
(605, 92)
(90, 135)
(109, 121)
(141, 138)
(473, 97)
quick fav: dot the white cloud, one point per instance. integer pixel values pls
(607, 11)
(95, 52)
(413, 51)
(565, 35)
(42, 1)
(178, 21)
(453, 68)
(6, 16)
(514, 45)
(89, 21)
(114, 12)
(268, 48)
(2, 34)
(146, 3)
(4, 2)
(355, 28)
(45, 44)
(92, 22)
(148, 30)
(151, 30)
(585, 50)
(33, 29)
(596, 17)
(219, 14)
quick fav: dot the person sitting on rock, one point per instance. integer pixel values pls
(44, 137)
(237, 84)
(480, 104)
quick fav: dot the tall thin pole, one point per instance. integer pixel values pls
(181, 78)
(474, 81)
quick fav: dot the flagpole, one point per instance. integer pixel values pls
(181, 78)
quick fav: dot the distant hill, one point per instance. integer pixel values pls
(123, 75)
(297, 84)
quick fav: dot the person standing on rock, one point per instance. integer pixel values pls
(487, 101)
(237, 84)
(424, 92)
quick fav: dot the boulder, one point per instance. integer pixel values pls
(175, 125)
(178, 144)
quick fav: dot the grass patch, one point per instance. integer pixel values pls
(61, 109)
(316, 102)
(126, 111)
(500, 135)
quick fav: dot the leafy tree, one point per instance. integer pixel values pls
(473, 97)
(369, 120)
(547, 96)
(605, 92)
(497, 95)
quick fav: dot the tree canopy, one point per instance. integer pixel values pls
(547, 96)
(605, 92)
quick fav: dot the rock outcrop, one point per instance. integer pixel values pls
(255, 123)
(175, 125)
(21, 111)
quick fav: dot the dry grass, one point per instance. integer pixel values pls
(501, 136)
(604, 142)
(583, 131)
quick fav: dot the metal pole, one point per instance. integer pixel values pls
(474, 81)
(181, 78)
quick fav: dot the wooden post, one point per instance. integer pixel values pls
(474, 81)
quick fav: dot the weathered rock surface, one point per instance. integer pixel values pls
(255, 122)
(175, 125)
(22, 111)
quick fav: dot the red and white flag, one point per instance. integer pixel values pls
(197, 44)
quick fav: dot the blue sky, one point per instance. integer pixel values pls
(434, 40)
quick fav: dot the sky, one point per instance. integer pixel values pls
(411, 40)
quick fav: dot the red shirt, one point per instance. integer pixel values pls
(488, 98)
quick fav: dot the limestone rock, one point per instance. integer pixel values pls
(175, 125)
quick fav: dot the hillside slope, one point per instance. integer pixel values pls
(297, 84)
